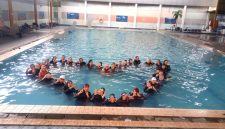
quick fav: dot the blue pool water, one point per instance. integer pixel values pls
(198, 75)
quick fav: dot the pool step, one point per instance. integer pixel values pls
(108, 123)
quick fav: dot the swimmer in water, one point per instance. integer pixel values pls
(47, 79)
(130, 62)
(99, 96)
(106, 69)
(90, 64)
(84, 94)
(70, 61)
(54, 61)
(124, 100)
(136, 95)
(43, 72)
(120, 65)
(149, 62)
(113, 67)
(60, 81)
(161, 77)
(81, 62)
(150, 89)
(158, 64)
(99, 66)
(137, 61)
(46, 63)
(63, 60)
(70, 88)
(111, 101)
(154, 82)
(167, 65)
(125, 64)
(32, 71)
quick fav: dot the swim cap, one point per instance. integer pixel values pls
(153, 78)
(124, 93)
(62, 77)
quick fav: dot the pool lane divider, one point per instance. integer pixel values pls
(30, 44)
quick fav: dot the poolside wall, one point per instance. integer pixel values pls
(138, 16)
(4, 12)
(23, 12)
(148, 16)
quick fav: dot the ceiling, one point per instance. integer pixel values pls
(40, 2)
(164, 2)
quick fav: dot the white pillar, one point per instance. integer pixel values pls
(59, 15)
(85, 12)
(207, 19)
(109, 14)
(183, 16)
(135, 15)
(159, 16)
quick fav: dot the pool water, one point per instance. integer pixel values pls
(197, 74)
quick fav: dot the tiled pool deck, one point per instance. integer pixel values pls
(210, 41)
(29, 116)
(35, 115)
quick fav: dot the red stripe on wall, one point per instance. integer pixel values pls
(146, 19)
(130, 19)
(81, 16)
(113, 18)
(99, 16)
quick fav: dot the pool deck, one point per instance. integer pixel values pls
(127, 117)
(10, 46)
(202, 40)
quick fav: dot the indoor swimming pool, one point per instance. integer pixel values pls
(197, 73)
